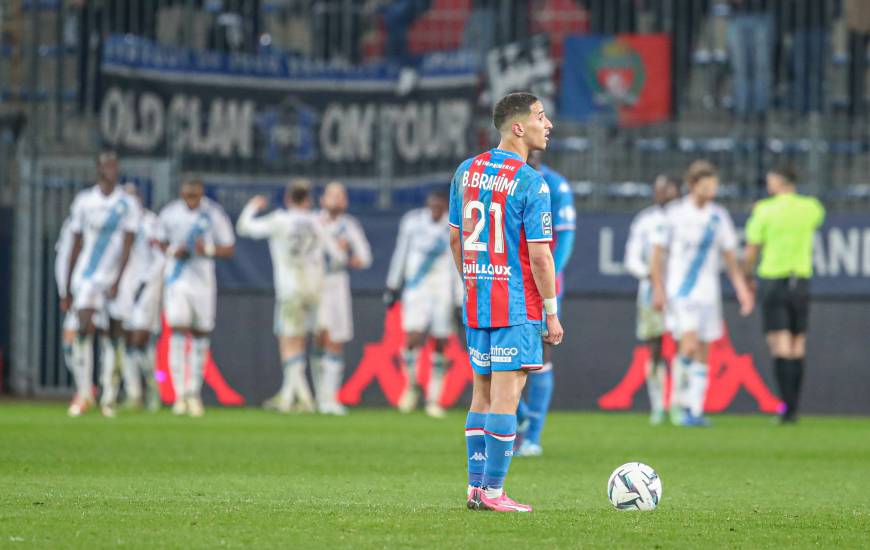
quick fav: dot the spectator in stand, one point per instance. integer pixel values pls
(811, 21)
(750, 47)
(494, 23)
(858, 22)
(398, 17)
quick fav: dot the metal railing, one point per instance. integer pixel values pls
(813, 112)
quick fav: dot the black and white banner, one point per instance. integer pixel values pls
(273, 114)
(524, 66)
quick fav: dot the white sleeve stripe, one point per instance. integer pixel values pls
(451, 224)
(543, 240)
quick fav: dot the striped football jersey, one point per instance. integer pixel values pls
(500, 204)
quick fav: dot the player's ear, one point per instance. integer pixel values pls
(517, 129)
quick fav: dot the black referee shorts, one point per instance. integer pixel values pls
(785, 304)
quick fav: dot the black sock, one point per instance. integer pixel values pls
(797, 378)
(781, 372)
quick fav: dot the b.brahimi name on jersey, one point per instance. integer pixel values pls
(695, 239)
(182, 227)
(500, 204)
(102, 220)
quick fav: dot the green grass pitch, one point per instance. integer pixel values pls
(248, 478)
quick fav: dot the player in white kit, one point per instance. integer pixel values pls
(696, 232)
(103, 221)
(196, 231)
(298, 244)
(335, 314)
(650, 321)
(141, 287)
(84, 395)
(422, 269)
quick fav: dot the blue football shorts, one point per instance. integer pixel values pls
(517, 347)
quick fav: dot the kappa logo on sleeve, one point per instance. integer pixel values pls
(547, 223)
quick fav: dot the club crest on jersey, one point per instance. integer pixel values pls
(547, 223)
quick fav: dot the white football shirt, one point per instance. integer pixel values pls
(299, 245)
(346, 227)
(102, 220)
(422, 257)
(62, 250)
(182, 226)
(146, 258)
(695, 239)
(639, 248)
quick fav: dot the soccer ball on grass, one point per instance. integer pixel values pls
(634, 486)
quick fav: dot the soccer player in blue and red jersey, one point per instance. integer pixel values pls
(501, 226)
(533, 409)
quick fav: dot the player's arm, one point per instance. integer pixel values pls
(397, 264)
(660, 237)
(131, 227)
(360, 249)
(657, 276)
(565, 225)
(744, 294)
(129, 237)
(544, 274)
(77, 221)
(728, 244)
(456, 248)
(634, 263)
(750, 258)
(538, 225)
(564, 248)
(223, 244)
(754, 240)
(248, 225)
(66, 301)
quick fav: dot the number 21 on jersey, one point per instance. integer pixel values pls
(472, 242)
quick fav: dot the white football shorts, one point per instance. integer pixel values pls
(296, 315)
(703, 318)
(428, 310)
(145, 312)
(335, 314)
(189, 307)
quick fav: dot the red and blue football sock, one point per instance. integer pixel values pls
(475, 443)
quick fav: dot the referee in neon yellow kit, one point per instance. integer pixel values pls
(781, 228)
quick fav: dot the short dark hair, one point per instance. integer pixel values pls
(298, 191)
(106, 154)
(786, 172)
(192, 181)
(670, 179)
(699, 170)
(439, 193)
(511, 105)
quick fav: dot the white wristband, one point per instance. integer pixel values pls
(209, 250)
(551, 306)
